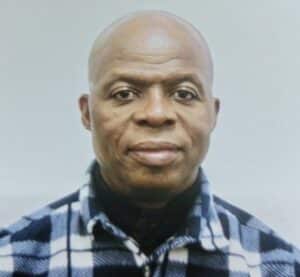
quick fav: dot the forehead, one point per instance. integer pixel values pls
(151, 66)
(146, 76)
(149, 52)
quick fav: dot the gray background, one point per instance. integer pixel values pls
(254, 157)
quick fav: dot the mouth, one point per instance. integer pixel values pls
(152, 153)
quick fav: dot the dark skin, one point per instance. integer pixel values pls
(150, 109)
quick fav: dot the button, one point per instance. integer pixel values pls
(146, 271)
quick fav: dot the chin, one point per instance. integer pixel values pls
(156, 179)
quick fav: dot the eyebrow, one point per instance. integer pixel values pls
(139, 79)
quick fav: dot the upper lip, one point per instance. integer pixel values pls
(154, 145)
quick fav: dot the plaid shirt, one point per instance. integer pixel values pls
(71, 237)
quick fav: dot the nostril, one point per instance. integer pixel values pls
(170, 122)
(155, 113)
(157, 122)
(142, 122)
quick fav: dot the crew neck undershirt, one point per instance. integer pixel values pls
(149, 227)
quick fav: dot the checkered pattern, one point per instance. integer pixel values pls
(74, 237)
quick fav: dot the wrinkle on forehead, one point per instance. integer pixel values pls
(151, 36)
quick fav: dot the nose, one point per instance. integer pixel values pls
(156, 111)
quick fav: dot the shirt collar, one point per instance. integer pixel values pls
(203, 223)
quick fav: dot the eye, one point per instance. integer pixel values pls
(185, 95)
(125, 95)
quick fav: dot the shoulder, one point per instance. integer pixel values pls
(229, 212)
(36, 229)
(36, 224)
(255, 237)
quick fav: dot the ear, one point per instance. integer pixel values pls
(216, 106)
(83, 103)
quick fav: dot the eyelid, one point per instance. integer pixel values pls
(115, 94)
(123, 88)
(188, 89)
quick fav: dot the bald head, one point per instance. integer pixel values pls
(158, 35)
(150, 110)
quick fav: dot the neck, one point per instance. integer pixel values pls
(149, 222)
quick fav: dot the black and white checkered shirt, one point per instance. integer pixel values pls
(73, 237)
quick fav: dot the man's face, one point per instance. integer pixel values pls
(151, 114)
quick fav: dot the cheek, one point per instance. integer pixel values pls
(197, 124)
(107, 129)
(197, 127)
(200, 140)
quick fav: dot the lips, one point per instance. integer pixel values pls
(151, 153)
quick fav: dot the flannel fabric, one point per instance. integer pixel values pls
(74, 237)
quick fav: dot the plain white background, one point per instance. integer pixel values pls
(254, 156)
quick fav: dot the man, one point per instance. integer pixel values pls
(146, 208)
